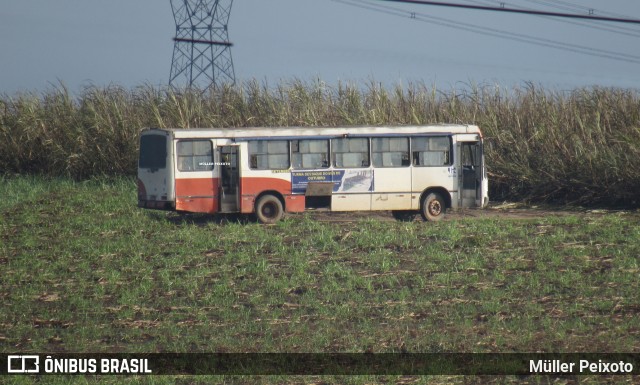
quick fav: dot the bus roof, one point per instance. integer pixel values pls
(290, 132)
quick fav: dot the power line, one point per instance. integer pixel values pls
(583, 8)
(493, 31)
(601, 26)
(503, 34)
(579, 8)
(515, 10)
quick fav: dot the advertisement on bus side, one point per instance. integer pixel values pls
(343, 180)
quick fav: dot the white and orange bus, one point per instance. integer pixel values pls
(271, 171)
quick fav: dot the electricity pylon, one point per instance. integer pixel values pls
(201, 51)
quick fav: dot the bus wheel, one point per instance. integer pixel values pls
(433, 207)
(404, 215)
(269, 209)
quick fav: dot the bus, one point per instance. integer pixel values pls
(272, 171)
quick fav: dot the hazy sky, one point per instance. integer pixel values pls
(128, 43)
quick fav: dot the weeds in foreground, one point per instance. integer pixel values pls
(84, 270)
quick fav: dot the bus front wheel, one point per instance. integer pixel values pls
(433, 207)
(269, 209)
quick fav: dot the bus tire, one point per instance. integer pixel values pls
(404, 215)
(433, 207)
(269, 209)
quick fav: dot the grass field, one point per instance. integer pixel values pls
(85, 270)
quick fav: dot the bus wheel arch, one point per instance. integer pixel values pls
(269, 207)
(434, 203)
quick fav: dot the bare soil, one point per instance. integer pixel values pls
(495, 210)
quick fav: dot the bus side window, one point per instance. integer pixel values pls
(390, 152)
(351, 152)
(310, 154)
(269, 154)
(195, 155)
(431, 151)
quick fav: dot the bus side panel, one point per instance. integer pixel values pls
(295, 203)
(197, 195)
(351, 202)
(253, 186)
(354, 190)
(196, 184)
(392, 189)
(423, 178)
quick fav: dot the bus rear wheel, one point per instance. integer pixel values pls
(269, 209)
(433, 207)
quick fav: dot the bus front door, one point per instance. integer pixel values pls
(229, 179)
(470, 182)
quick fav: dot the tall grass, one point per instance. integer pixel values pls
(580, 146)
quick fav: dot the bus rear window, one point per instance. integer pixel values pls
(153, 151)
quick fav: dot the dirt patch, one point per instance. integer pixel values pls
(495, 210)
(500, 210)
(325, 216)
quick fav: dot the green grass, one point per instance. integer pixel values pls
(85, 270)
